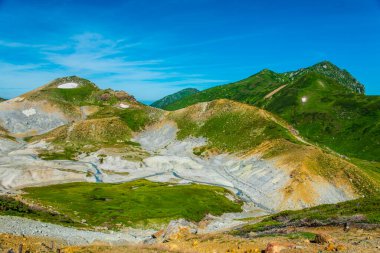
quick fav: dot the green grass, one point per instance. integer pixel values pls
(67, 154)
(12, 207)
(137, 203)
(77, 96)
(368, 208)
(371, 168)
(261, 226)
(294, 235)
(232, 131)
(337, 114)
(162, 103)
(333, 116)
(136, 118)
(5, 134)
(67, 142)
(300, 235)
(249, 90)
(66, 98)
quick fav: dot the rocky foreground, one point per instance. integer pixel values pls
(328, 239)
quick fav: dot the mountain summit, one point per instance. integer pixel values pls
(64, 100)
(328, 69)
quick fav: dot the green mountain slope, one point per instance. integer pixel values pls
(247, 90)
(230, 126)
(256, 87)
(347, 122)
(233, 127)
(163, 102)
(336, 112)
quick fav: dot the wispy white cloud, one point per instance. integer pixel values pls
(16, 79)
(106, 62)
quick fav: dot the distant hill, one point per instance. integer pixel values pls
(62, 101)
(163, 102)
(2, 99)
(326, 104)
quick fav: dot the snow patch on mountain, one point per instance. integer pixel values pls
(124, 106)
(68, 86)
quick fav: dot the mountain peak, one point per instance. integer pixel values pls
(189, 89)
(330, 70)
(266, 71)
(325, 64)
(70, 82)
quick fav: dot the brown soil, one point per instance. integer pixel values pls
(355, 241)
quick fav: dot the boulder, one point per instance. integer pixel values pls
(176, 230)
(322, 238)
(158, 234)
(277, 247)
(330, 247)
(340, 248)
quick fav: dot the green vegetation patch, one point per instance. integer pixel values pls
(138, 203)
(232, 131)
(76, 95)
(5, 134)
(68, 153)
(293, 235)
(300, 235)
(332, 116)
(372, 169)
(363, 210)
(136, 118)
(12, 207)
(336, 114)
(260, 226)
(367, 207)
(163, 102)
(67, 98)
(249, 90)
(88, 136)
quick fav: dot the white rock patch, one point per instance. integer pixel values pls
(68, 86)
(29, 112)
(124, 106)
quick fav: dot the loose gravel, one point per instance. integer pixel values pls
(72, 236)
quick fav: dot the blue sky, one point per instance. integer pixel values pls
(156, 47)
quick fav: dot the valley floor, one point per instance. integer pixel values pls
(259, 183)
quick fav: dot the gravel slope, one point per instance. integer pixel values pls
(72, 236)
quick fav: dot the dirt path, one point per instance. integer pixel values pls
(270, 94)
